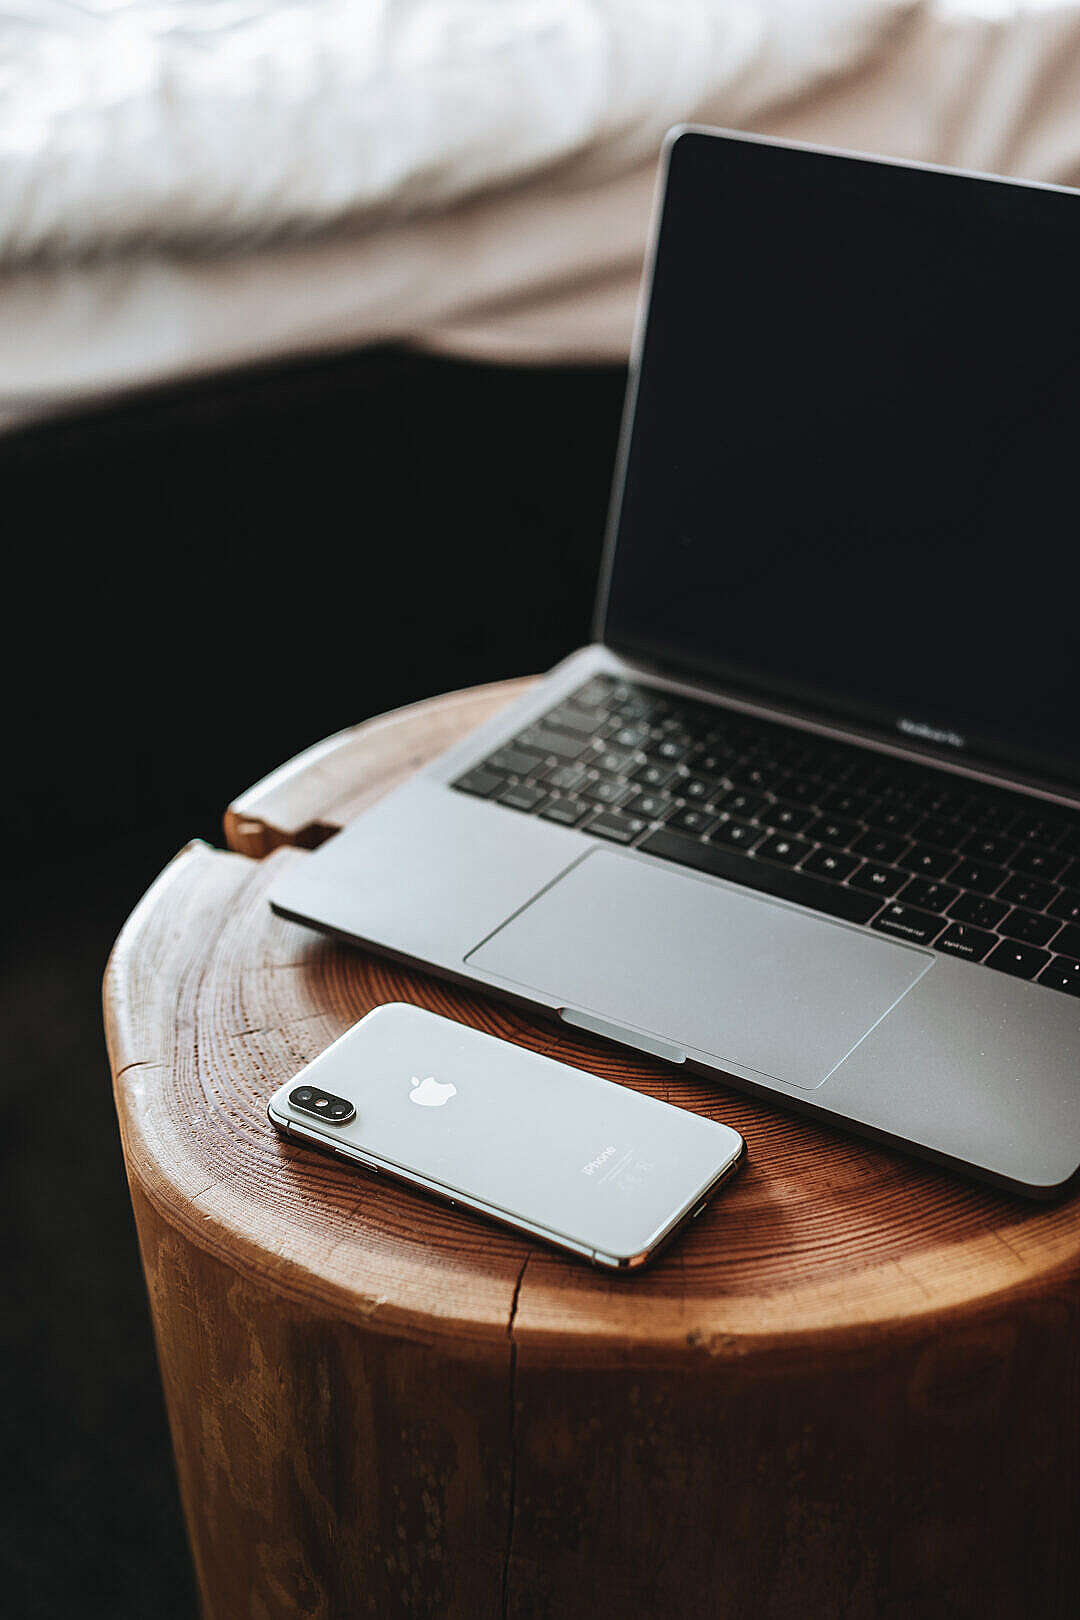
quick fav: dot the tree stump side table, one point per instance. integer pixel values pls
(850, 1390)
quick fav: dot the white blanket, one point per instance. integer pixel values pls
(190, 123)
(188, 183)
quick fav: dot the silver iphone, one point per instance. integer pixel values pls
(558, 1154)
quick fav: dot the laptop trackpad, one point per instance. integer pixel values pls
(703, 965)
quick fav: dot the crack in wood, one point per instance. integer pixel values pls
(137, 1063)
(511, 1508)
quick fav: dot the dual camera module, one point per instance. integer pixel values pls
(322, 1104)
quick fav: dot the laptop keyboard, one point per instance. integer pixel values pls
(905, 850)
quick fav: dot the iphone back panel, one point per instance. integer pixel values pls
(549, 1150)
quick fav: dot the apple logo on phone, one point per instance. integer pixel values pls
(431, 1093)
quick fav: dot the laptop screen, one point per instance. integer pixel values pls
(852, 480)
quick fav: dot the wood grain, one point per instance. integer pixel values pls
(850, 1389)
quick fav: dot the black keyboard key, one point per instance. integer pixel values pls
(1067, 943)
(978, 875)
(671, 751)
(962, 940)
(757, 777)
(881, 847)
(1030, 927)
(907, 922)
(520, 796)
(651, 775)
(1036, 862)
(697, 789)
(993, 815)
(515, 761)
(737, 802)
(938, 830)
(567, 812)
(789, 818)
(736, 834)
(852, 770)
(1066, 906)
(620, 829)
(605, 790)
(798, 790)
(653, 806)
(892, 783)
(1062, 974)
(545, 741)
(1030, 892)
(841, 802)
(692, 819)
(875, 879)
(713, 760)
(788, 851)
(927, 895)
(1042, 830)
(927, 862)
(1071, 875)
(890, 817)
(833, 830)
(635, 735)
(779, 881)
(978, 910)
(615, 761)
(989, 847)
(1022, 961)
(566, 777)
(830, 863)
(946, 802)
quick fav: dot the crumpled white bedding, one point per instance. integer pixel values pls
(190, 123)
(186, 184)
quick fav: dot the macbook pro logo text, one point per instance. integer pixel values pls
(916, 728)
(431, 1093)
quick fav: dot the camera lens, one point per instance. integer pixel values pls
(323, 1104)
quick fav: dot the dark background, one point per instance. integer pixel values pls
(198, 585)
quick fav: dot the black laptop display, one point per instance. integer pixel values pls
(853, 477)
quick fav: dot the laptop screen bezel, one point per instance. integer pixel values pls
(860, 719)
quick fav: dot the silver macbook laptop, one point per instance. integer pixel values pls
(806, 817)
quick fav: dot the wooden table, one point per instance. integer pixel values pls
(851, 1389)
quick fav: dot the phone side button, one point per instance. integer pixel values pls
(577, 1248)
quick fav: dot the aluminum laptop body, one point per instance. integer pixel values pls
(841, 525)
